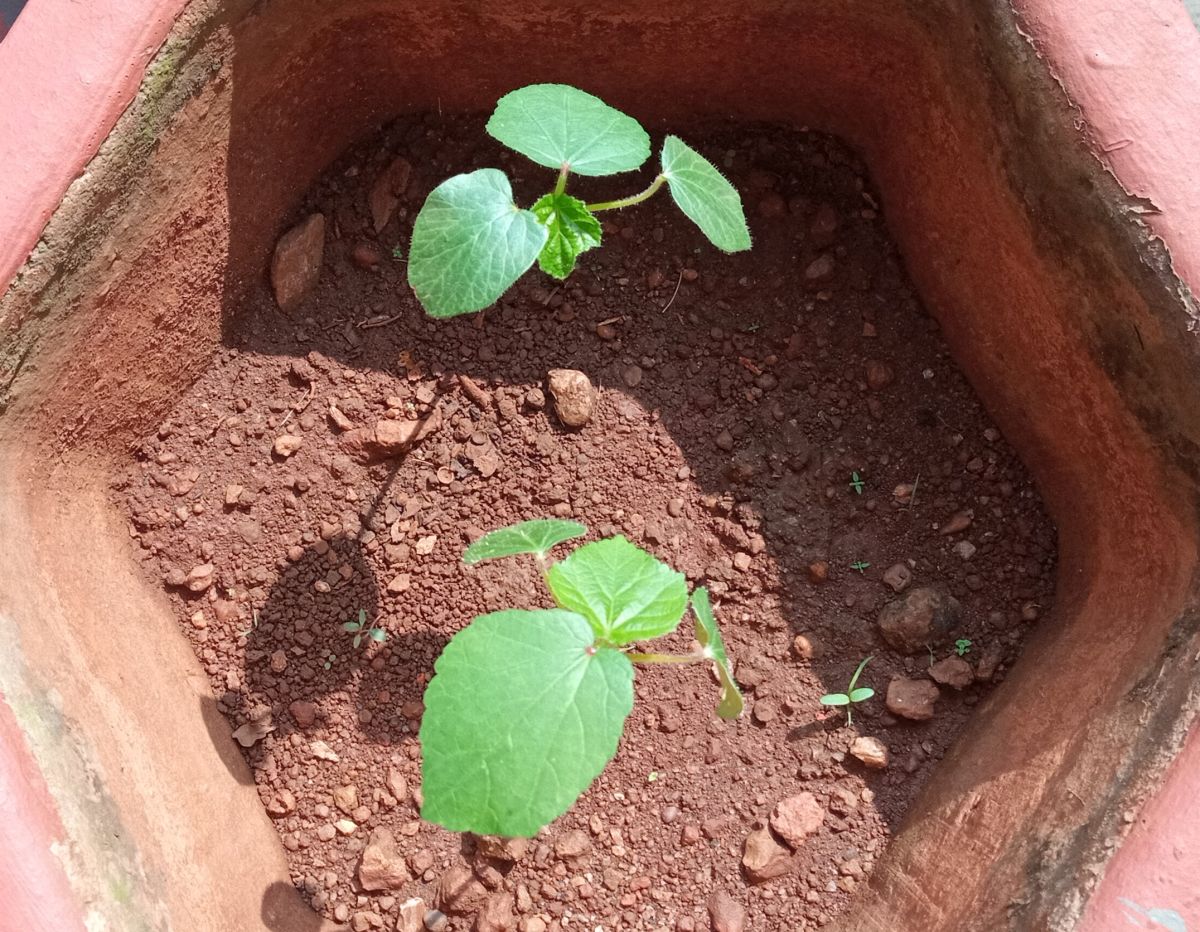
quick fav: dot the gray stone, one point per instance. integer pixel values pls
(912, 699)
(797, 817)
(954, 672)
(382, 866)
(924, 618)
(726, 913)
(764, 858)
(296, 265)
(871, 751)
(574, 396)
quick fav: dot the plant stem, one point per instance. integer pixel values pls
(664, 658)
(632, 199)
(561, 185)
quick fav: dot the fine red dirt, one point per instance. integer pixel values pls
(738, 399)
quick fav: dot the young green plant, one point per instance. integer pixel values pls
(852, 694)
(364, 631)
(962, 646)
(471, 242)
(526, 707)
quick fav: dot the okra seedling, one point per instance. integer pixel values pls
(851, 695)
(526, 707)
(471, 242)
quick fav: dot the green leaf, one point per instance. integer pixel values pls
(556, 125)
(538, 536)
(470, 242)
(358, 639)
(624, 593)
(858, 672)
(378, 635)
(835, 699)
(709, 636)
(350, 626)
(522, 715)
(573, 229)
(702, 193)
(862, 694)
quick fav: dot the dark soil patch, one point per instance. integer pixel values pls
(736, 397)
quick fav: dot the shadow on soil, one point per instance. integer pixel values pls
(331, 583)
(283, 910)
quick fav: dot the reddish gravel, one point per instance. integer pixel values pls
(735, 397)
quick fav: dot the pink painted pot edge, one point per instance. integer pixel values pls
(1151, 883)
(35, 889)
(1133, 71)
(67, 71)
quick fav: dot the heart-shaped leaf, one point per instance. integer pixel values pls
(709, 636)
(522, 715)
(556, 125)
(835, 699)
(702, 193)
(624, 593)
(573, 229)
(470, 242)
(537, 536)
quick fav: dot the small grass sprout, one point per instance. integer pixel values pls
(853, 693)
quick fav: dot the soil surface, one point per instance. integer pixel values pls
(740, 400)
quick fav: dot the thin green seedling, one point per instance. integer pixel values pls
(852, 694)
(526, 707)
(962, 646)
(364, 631)
(857, 483)
(860, 565)
(253, 624)
(471, 242)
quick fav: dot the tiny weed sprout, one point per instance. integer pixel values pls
(526, 707)
(962, 646)
(470, 242)
(253, 624)
(851, 695)
(363, 630)
(856, 483)
(860, 565)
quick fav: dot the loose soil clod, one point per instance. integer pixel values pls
(722, 433)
